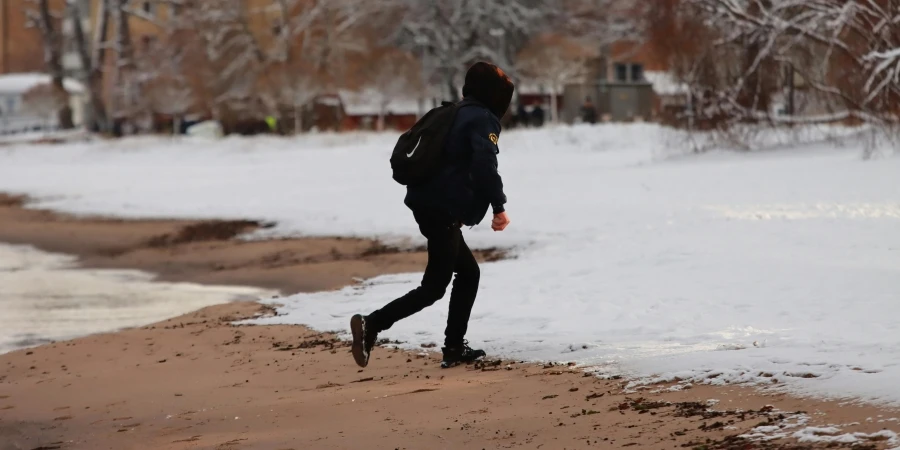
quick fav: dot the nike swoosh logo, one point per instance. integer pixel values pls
(409, 155)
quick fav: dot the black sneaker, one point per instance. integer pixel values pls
(363, 340)
(462, 354)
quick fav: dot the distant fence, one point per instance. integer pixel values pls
(26, 124)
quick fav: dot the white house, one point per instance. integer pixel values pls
(15, 116)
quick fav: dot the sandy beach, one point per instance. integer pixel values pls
(201, 381)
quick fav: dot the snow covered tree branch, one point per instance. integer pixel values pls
(604, 22)
(845, 50)
(450, 35)
(453, 34)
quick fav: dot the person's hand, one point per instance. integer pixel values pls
(500, 222)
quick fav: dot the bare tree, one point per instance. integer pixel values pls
(392, 77)
(125, 95)
(46, 22)
(604, 22)
(848, 50)
(455, 33)
(238, 68)
(290, 87)
(224, 57)
(452, 34)
(329, 34)
(101, 29)
(92, 74)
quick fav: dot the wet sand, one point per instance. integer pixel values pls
(201, 381)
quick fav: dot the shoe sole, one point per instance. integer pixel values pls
(358, 348)
(446, 365)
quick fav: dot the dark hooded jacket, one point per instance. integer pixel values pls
(468, 182)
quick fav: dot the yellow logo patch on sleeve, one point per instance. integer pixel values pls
(493, 137)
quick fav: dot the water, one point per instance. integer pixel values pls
(44, 297)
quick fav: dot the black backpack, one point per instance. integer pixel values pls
(418, 153)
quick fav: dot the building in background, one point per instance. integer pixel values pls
(630, 79)
(21, 48)
(368, 109)
(624, 84)
(27, 101)
(21, 44)
(24, 108)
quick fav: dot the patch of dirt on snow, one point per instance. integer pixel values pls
(213, 230)
(11, 200)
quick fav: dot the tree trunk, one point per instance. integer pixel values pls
(554, 107)
(761, 80)
(325, 56)
(298, 118)
(53, 59)
(92, 75)
(176, 124)
(100, 32)
(124, 61)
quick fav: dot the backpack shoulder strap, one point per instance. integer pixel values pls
(459, 104)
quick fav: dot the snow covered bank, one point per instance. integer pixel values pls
(626, 258)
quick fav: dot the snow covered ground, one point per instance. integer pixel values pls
(630, 253)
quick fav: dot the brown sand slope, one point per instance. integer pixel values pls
(200, 382)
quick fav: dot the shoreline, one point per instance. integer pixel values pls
(205, 251)
(45, 298)
(508, 404)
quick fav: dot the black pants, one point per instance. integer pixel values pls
(447, 253)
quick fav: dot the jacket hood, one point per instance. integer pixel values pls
(488, 84)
